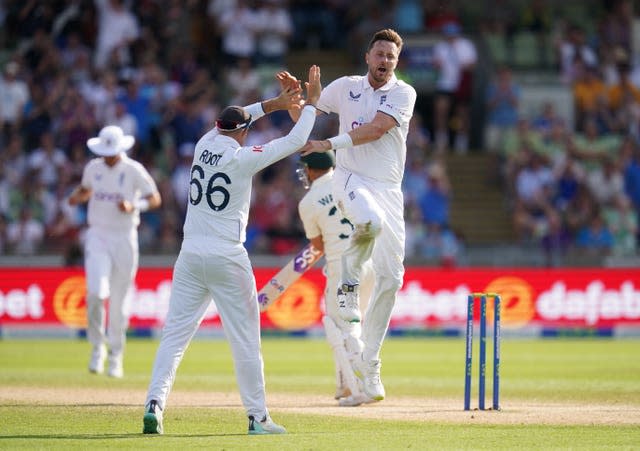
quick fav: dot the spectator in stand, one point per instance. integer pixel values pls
(569, 177)
(555, 145)
(239, 28)
(118, 28)
(622, 221)
(102, 94)
(408, 17)
(275, 28)
(439, 13)
(48, 161)
(140, 107)
(123, 119)
(588, 89)
(546, 119)
(502, 98)
(435, 203)
(316, 25)
(38, 115)
(615, 29)
(25, 235)
(455, 57)
(579, 210)
(534, 215)
(518, 145)
(14, 95)
(591, 147)
(594, 239)
(15, 159)
(574, 53)
(187, 124)
(606, 182)
(242, 82)
(76, 117)
(414, 182)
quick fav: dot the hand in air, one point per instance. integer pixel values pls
(313, 86)
(292, 87)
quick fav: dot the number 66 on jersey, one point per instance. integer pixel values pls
(286, 277)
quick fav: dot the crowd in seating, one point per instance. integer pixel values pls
(162, 70)
(574, 187)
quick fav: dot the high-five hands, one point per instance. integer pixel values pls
(289, 83)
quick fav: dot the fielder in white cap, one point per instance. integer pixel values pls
(117, 189)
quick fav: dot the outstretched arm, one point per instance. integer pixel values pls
(366, 133)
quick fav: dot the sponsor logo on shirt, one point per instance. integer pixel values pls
(257, 148)
(107, 197)
(354, 97)
(383, 99)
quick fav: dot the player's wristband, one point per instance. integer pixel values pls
(141, 204)
(341, 141)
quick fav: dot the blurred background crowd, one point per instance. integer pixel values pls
(162, 70)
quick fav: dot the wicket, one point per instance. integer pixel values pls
(483, 350)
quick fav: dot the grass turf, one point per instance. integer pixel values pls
(601, 371)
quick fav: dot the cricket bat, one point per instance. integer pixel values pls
(286, 277)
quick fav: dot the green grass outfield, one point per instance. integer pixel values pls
(556, 394)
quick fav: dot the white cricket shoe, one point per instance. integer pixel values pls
(116, 369)
(369, 372)
(265, 426)
(96, 364)
(355, 400)
(349, 303)
(152, 421)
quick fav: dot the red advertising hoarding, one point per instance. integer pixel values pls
(430, 298)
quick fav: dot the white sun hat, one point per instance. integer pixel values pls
(110, 142)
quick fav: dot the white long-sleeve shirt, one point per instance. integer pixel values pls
(220, 188)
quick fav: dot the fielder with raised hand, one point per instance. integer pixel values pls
(329, 231)
(375, 110)
(117, 189)
(213, 263)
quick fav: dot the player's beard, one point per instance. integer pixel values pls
(379, 76)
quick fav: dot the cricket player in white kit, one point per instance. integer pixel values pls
(213, 263)
(374, 111)
(117, 189)
(328, 230)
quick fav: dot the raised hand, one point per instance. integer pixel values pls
(313, 86)
(289, 82)
(289, 98)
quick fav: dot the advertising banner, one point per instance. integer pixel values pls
(431, 299)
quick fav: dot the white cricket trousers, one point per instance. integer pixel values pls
(111, 263)
(227, 279)
(381, 207)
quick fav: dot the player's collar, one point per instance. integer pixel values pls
(324, 178)
(228, 140)
(387, 86)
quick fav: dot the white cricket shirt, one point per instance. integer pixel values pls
(127, 180)
(220, 187)
(321, 216)
(356, 102)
